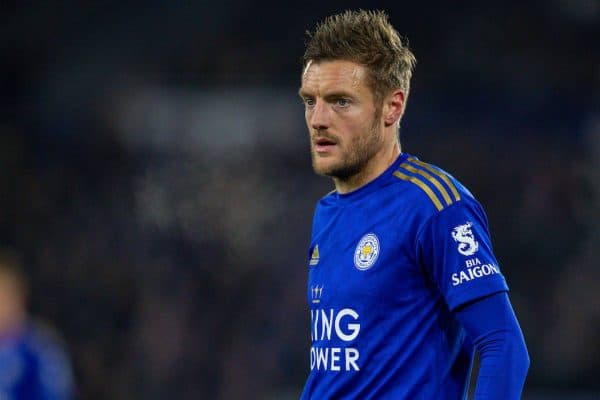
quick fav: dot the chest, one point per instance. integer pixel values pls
(363, 257)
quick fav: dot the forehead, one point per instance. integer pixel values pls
(330, 76)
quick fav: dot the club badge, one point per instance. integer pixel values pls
(366, 252)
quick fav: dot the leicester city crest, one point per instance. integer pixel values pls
(366, 252)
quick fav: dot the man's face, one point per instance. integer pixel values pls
(340, 112)
(12, 302)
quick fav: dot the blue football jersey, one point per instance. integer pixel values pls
(388, 263)
(34, 366)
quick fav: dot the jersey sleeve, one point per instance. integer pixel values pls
(454, 248)
(494, 330)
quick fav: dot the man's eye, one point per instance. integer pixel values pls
(343, 102)
(309, 102)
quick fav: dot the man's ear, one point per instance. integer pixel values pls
(393, 107)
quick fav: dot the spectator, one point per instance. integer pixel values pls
(33, 363)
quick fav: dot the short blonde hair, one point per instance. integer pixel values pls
(367, 38)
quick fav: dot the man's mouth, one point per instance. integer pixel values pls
(323, 144)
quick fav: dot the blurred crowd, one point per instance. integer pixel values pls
(156, 181)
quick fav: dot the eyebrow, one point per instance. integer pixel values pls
(335, 94)
(338, 94)
(302, 93)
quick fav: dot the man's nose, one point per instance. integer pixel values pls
(319, 118)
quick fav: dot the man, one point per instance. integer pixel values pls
(33, 365)
(403, 285)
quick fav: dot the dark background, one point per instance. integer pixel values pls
(155, 175)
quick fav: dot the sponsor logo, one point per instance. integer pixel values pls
(314, 257)
(341, 326)
(366, 252)
(462, 234)
(315, 293)
(474, 269)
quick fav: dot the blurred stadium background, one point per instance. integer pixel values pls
(155, 176)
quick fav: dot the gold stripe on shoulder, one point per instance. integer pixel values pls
(431, 179)
(440, 174)
(423, 187)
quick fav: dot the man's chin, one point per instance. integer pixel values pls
(341, 172)
(322, 167)
(323, 171)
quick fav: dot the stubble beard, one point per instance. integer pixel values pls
(355, 157)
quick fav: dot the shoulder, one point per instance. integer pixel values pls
(328, 197)
(40, 334)
(430, 188)
(46, 345)
(48, 348)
